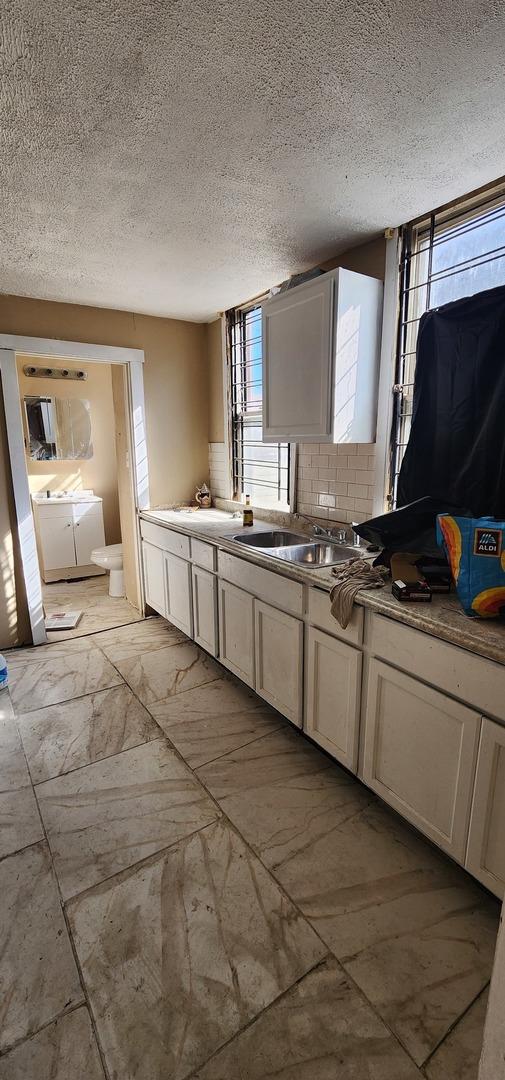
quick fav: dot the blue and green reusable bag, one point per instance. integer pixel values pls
(476, 555)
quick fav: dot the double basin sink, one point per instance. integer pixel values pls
(297, 548)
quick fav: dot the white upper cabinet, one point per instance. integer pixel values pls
(321, 344)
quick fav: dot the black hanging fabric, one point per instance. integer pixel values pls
(456, 449)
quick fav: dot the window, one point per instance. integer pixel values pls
(260, 470)
(456, 252)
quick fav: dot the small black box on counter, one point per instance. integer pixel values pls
(411, 590)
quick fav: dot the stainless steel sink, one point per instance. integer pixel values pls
(279, 538)
(298, 549)
(317, 554)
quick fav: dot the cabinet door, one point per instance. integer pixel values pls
(89, 532)
(279, 660)
(297, 337)
(333, 686)
(154, 577)
(56, 532)
(486, 842)
(236, 631)
(178, 592)
(205, 609)
(419, 754)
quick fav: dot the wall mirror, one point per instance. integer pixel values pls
(58, 429)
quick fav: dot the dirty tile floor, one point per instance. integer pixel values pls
(91, 596)
(190, 888)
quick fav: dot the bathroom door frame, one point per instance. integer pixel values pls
(49, 348)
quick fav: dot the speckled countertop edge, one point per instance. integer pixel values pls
(442, 618)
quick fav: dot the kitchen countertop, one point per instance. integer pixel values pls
(442, 618)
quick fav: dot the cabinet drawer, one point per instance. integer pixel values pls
(166, 539)
(319, 614)
(204, 555)
(471, 678)
(276, 590)
(420, 752)
(52, 510)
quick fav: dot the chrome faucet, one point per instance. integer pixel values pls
(317, 530)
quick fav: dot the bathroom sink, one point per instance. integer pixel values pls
(277, 539)
(298, 549)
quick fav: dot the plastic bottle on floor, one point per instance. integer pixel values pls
(4, 678)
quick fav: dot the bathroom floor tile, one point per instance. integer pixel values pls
(321, 1029)
(283, 794)
(209, 721)
(53, 673)
(65, 1050)
(182, 952)
(109, 815)
(67, 736)
(38, 976)
(127, 642)
(99, 610)
(168, 671)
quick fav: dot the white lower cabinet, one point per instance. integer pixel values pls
(279, 660)
(332, 698)
(236, 631)
(420, 751)
(486, 841)
(179, 608)
(205, 610)
(154, 577)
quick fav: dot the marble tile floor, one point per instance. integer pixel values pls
(91, 596)
(190, 889)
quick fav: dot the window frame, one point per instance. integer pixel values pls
(236, 459)
(415, 276)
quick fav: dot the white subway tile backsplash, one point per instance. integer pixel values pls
(358, 491)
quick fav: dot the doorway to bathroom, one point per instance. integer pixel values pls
(75, 426)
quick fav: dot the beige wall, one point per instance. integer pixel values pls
(98, 472)
(215, 363)
(175, 384)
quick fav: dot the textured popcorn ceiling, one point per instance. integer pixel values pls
(176, 158)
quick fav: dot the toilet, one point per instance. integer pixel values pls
(111, 558)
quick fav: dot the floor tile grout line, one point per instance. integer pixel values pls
(43, 1027)
(453, 1026)
(96, 761)
(266, 1009)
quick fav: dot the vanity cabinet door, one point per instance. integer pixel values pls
(56, 534)
(236, 631)
(485, 857)
(420, 754)
(154, 577)
(178, 592)
(279, 660)
(88, 531)
(333, 687)
(205, 610)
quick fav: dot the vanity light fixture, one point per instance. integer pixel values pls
(54, 373)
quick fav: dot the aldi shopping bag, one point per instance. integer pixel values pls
(476, 555)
